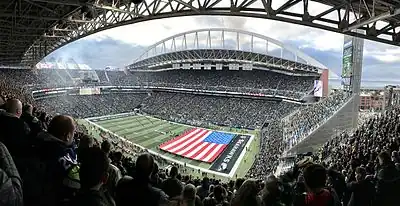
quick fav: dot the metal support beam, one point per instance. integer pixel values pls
(55, 2)
(38, 17)
(30, 35)
(34, 28)
(10, 15)
(326, 12)
(287, 5)
(42, 7)
(380, 17)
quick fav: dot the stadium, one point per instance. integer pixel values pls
(167, 78)
(214, 114)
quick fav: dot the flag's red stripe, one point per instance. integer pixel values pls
(217, 154)
(177, 138)
(193, 148)
(198, 152)
(192, 141)
(183, 142)
(208, 152)
(186, 136)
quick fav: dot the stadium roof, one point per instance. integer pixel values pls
(31, 29)
(203, 45)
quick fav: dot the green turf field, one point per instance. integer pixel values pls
(150, 132)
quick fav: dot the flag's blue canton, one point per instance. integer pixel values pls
(219, 138)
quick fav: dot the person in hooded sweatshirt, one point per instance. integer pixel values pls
(57, 180)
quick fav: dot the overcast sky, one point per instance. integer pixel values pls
(120, 46)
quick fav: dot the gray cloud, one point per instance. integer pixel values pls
(236, 23)
(99, 53)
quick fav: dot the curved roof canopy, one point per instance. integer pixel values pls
(227, 39)
(31, 29)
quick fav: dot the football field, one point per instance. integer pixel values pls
(150, 133)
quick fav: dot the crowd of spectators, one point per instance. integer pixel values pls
(50, 160)
(56, 163)
(178, 107)
(255, 81)
(83, 106)
(281, 135)
(362, 167)
(271, 148)
(223, 111)
(310, 117)
(368, 159)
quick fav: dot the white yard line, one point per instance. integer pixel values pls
(230, 175)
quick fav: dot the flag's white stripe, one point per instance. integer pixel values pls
(197, 149)
(200, 156)
(183, 144)
(166, 147)
(189, 147)
(213, 153)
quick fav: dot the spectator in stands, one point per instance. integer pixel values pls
(362, 191)
(388, 185)
(189, 195)
(202, 190)
(156, 181)
(138, 190)
(238, 183)
(13, 130)
(57, 153)
(44, 120)
(315, 177)
(172, 186)
(187, 198)
(30, 120)
(247, 195)
(271, 193)
(10, 181)
(93, 174)
(85, 142)
(337, 181)
(219, 194)
(114, 175)
(117, 161)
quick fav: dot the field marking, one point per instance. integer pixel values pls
(162, 156)
(241, 156)
(187, 125)
(133, 114)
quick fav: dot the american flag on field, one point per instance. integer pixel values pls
(199, 144)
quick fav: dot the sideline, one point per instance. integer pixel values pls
(230, 175)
